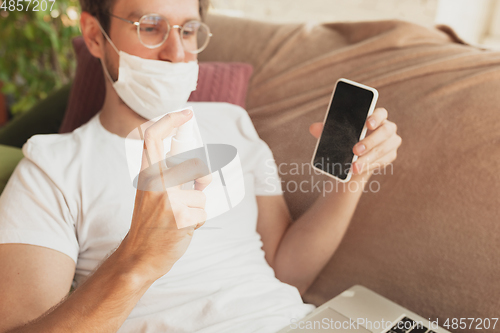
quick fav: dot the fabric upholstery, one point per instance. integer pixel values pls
(10, 157)
(44, 117)
(429, 237)
(217, 82)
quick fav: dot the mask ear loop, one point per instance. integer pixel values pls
(107, 37)
(114, 47)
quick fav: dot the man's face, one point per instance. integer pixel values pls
(124, 35)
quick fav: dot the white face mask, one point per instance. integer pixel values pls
(153, 88)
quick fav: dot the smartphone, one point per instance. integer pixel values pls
(343, 127)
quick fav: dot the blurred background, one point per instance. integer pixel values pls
(36, 55)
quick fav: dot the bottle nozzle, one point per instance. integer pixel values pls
(185, 131)
(184, 139)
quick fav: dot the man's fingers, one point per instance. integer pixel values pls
(189, 198)
(188, 207)
(154, 135)
(159, 178)
(201, 183)
(199, 225)
(375, 138)
(315, 129)
(151, 178)
(189, 217)
(186, 171)
(378, 117)
(374, 155)
(197, 215)
(381, 163)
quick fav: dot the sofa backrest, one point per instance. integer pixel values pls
(427, 234)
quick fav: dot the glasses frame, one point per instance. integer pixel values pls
(170, 27)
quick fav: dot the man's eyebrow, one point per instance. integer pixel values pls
(196, 18)
(136, 14)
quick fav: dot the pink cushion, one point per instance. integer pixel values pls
(217, 82)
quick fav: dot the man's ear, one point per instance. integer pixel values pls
(92, 35)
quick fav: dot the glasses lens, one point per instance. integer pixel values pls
(153, 30)
(195, 36)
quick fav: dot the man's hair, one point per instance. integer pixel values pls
(101, 8)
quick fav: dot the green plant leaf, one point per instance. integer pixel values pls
(29, 32)
(36, 54)
(9, 88)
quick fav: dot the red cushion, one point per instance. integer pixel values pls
(217, 82)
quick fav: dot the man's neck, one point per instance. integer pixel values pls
(116, 117)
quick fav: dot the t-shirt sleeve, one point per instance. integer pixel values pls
(34, 211)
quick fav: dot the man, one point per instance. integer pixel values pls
(70, 213)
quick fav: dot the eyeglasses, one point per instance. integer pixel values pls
(153, 30)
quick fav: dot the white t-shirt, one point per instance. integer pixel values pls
(73, 193)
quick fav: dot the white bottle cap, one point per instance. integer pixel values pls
(185, 131)
(184, 139)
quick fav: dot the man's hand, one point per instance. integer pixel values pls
(154, 242)
(298, 251)
(378, 149)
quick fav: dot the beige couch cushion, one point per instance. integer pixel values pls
(429, 238)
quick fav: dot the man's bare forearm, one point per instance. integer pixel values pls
(312, 239)
(100, 304)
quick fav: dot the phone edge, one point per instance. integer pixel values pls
(363, 132)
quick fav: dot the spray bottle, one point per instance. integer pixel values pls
(183, 141)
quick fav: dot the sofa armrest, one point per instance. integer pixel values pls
(9, 158)
(44, 118)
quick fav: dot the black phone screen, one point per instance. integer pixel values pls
(342, 129)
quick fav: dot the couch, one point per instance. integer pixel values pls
(427, 234)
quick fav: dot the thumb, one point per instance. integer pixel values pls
(315, 129)
(154, 135)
